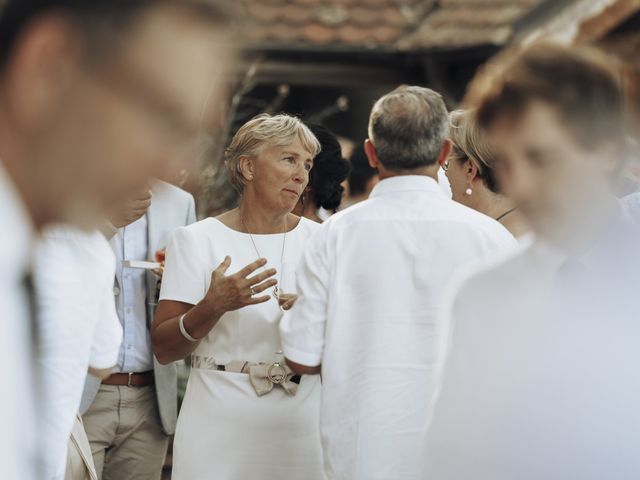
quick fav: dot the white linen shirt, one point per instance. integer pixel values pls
(541, 378)
(19, 451)
(370, 285)
(131, 243)
(80, 328)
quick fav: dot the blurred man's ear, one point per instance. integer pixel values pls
(40, 71)
(370, 152)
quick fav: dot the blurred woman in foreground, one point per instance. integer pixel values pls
(470, 170)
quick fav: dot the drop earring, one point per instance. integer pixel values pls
(468, 191)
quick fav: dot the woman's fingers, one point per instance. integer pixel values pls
(257, 300)
(261, 277)
(252, 267)
(223, 267)
(263, 286)
(287, 300)
(288, 304)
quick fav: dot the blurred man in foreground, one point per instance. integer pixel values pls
(541, 377)
(95, 96)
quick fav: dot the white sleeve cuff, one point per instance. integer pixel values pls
(302, 358)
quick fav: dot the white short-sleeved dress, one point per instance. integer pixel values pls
(225, 431)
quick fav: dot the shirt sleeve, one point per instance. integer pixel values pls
(185, 270)
(108, 333)
(302, 329)
(191, 211)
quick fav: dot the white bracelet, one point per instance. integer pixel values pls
(183, 331)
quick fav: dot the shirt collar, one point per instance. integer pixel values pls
(16, 247)
(406, 183)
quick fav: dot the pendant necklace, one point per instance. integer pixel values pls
(276, 291)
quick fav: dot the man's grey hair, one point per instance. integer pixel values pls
(408, 127)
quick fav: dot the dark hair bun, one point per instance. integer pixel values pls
(329, 170)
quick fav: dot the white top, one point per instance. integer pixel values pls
(18, 413)
(195, 251)
(370, 284)
(80, 328)
(631, 204)
(541, 380)
(131, 243)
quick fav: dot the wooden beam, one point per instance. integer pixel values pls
(596, 27)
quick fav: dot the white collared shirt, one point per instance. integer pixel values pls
(132, 244)
(74, 273)
(18, 413)
(541, 379)
(370, 285)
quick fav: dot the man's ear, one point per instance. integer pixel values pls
(370, 152)
(247, 168)
(445, 151)
(41, 71)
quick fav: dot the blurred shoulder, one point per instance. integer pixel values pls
(74, 245)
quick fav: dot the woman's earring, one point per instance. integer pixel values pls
(302, 199)
(468, 191)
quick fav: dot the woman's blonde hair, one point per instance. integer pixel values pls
(469, 142)
(261, 132)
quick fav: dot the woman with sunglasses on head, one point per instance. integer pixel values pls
(471, 171)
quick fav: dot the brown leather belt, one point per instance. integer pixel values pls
(130, 379)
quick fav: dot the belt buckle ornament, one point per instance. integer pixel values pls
(129, 381)
(276, 373)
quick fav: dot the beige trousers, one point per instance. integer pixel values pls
(123, 427)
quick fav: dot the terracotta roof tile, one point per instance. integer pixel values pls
(318, 34)
(383, 24)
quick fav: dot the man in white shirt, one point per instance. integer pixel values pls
(79, 331)
(93, 101)
(370, 287)
(541, 378)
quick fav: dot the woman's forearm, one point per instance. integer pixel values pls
(168, 342)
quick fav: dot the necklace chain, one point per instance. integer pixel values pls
(276, 291)
(506, 213)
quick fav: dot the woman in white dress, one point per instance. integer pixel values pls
(245, 415)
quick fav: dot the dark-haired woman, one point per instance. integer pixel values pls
(470, 170)
(325, 188)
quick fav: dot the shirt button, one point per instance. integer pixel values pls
(129, 347)
(126, 275)
(128, 310)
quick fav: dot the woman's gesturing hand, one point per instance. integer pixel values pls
(233, 292)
